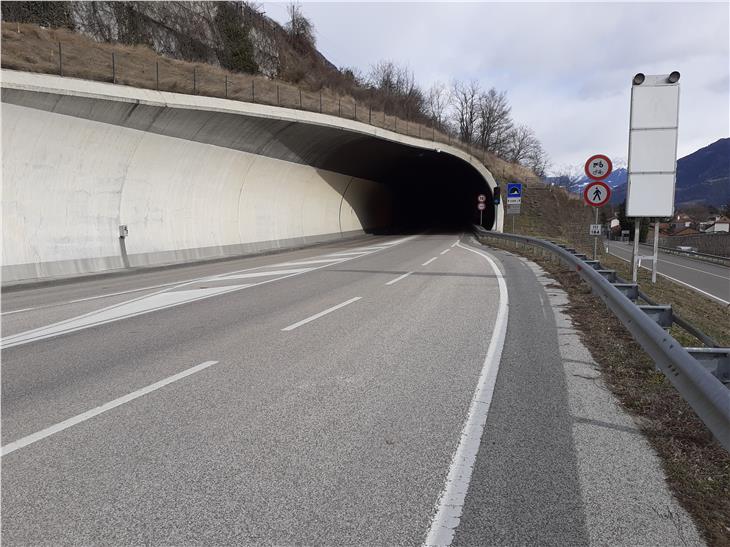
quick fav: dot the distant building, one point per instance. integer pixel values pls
(681, 221)
(689, 231)
(720, 224)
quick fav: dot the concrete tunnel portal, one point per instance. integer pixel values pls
(193, 178)
(431, 189)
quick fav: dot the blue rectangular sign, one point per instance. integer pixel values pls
(514, 189)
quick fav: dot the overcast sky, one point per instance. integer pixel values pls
(566, 67)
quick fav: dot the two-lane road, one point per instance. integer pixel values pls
(383, 391)
(328, 399)
(711, 280)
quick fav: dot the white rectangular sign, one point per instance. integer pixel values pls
(595, 230)
(514, 201)
(653, 148)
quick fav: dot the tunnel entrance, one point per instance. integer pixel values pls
(437, 191)
(431, 189)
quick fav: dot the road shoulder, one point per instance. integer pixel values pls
(583, 443)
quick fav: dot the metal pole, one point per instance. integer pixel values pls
(595, 239)
(370, 114)
(300, 97)
(339, 106)
(157, 73)
(513, 223)
(355, 118)
(320, 101)
(277, 94)
(656, 251)
(114, 68)
(481, 223)
(226, 86)
(60, 60)
(195, 78)
(253, 91)
(635, 254)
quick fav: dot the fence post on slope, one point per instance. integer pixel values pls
(60, 60)
(226, 86)
(157, 74)
(114, 68)
(195, 82)
(320, 100)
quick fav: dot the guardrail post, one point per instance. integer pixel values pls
(370, 114)
(277, 95)
(320, 101)
(355, 115)
(300, 97)
(339, 107)
(253, 91)
(60, 60)
(226, 93)
(157, 73)
(114, 68)
(195, 82)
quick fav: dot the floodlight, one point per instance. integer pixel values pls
(639, 79)
(673, 78)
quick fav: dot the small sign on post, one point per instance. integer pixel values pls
(597, 193)
(514, 193)
(481, 206)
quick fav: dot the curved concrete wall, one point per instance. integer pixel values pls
(192, 177)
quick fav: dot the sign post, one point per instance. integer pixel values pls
(652, 169)
(481, 205)
(514, 200)
(597, 193)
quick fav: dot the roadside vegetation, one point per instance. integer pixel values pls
(232, 49)
(697, 467)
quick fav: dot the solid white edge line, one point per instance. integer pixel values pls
(392, 281)
(451, 501)
(321, 314)
(35, 437)
(709, 295)
(429, 261)
(446, 251)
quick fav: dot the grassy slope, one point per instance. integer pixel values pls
(35, 49)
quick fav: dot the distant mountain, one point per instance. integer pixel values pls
(702, 177)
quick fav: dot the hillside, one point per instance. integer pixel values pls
(194, 47)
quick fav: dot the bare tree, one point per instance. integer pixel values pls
(465, 102)
(397, 89)
(437, 102)
(494, 123)
(300, 29)
(521, 143)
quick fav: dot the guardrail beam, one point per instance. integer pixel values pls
(629, 290)
(714, 360)
(662, 314)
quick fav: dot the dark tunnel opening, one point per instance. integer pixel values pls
(437, 191)
(431, 189)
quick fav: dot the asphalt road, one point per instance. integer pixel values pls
(336, 395)
(711, 280)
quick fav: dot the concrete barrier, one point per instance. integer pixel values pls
(191, 177)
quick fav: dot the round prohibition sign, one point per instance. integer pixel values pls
(597, 193)
(481, 198)
(481, 206)
(598, 167)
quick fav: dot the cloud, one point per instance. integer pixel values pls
(566, 67)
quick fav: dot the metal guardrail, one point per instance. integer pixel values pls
(715, 259)
(704, 392)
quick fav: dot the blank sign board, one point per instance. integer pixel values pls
(653, 148)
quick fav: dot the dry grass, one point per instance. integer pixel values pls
(696, 466)
(34, 49)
